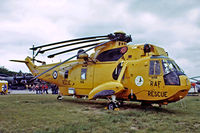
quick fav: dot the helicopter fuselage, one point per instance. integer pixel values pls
(130, 72)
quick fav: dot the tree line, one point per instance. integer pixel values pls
(5, 71)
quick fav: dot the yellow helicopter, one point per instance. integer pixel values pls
(115, 71)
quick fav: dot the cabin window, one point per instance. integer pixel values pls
(83, 73)
(154, 68)
(66, 74)
(112, 55)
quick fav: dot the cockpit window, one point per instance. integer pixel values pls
(171, 72)
(112, 55)
(171, 66)
(154, 68)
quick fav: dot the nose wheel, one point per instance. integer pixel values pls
(59, 97)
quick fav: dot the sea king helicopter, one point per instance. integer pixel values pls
(115, 71)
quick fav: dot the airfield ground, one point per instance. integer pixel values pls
(43, 113)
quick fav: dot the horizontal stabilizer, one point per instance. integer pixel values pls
(21, 61)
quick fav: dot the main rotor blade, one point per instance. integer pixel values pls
(66, 45)
(195, 77)
(70, 59)
(78, 39)
(69, 50)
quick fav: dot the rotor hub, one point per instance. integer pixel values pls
(120, 36)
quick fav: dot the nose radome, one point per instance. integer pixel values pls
(188, 82)
(185, 81)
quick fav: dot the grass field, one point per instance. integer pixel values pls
(43, 113)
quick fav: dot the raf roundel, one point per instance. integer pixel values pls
(139, 80)
(55, 74)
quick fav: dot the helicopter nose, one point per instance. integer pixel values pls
(183, 88)
(185, 82)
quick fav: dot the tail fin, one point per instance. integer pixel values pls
(28, 61)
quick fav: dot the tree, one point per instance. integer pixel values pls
(4, 70)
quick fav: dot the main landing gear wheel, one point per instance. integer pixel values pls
(59, 97)
(113, 103)
(112, 106)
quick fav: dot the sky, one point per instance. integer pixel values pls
(172, 25)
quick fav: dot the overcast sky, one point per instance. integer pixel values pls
(173, 25)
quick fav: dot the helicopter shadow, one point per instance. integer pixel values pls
(92, 103)
(149, 108)
(99, 104)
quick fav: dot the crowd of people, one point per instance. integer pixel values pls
(43, 88)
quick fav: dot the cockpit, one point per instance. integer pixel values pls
(169, 66)
(171, 71)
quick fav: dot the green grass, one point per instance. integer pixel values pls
(43, 113)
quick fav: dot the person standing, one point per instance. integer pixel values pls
(43, 88)
(33, 87)
(40, 88)
(46, 88)
(37, 89)
(53, 88)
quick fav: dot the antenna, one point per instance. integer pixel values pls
(33, 54)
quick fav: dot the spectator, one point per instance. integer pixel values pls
(46, 88)
(43, 88)
(56, 89)
(33, 87)
(53, 88)
(40, 88)
(37, 89)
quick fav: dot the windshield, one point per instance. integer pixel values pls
(171, 66)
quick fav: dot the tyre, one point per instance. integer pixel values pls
(111, 106)
(59, 98)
